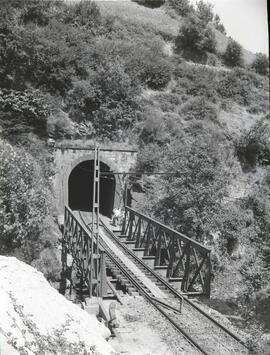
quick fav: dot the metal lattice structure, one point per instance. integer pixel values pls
(185, 259)
(83, 244)
(95, 259)
(80, 244)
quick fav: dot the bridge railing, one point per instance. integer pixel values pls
(184, 258)
(77, 242)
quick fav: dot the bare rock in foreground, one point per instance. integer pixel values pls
(36, 319)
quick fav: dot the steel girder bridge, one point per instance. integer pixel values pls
(182, 258)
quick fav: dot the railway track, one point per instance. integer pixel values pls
(205, 334)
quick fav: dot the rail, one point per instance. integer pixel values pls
(158, 304)
(179, 318)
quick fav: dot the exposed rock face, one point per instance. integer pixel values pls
(36, 319)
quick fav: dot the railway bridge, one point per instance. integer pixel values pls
(142, 256)
(177, 258)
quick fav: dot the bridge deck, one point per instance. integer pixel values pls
(128, 263)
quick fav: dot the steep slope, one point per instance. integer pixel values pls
(159, 21)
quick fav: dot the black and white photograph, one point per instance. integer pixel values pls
(134, 177)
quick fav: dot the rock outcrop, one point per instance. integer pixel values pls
(36, 319)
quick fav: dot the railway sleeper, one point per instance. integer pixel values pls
(132, 291)
(114, 281)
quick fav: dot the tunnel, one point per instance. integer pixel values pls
(80, 188)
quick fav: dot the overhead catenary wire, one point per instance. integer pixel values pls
(129, 172)
(104, 174)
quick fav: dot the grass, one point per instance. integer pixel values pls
(157, 20)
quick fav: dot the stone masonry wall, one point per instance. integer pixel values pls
(66, 159)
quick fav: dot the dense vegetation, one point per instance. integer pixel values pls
(70, 71)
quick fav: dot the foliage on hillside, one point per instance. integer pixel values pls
(26, 225)
(73, 70)
(72, 54)
(233, 54)
(195, 38)
(261, 64)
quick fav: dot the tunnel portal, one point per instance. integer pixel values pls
(80, 188)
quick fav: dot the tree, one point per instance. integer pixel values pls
(218, 24)
(195, 38)
(233, 54)
(181, 7)
(205, 12)
(261, 64)
(188, 199)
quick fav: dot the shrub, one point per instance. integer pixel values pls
(84, 129)
(199, 109)
(233, 54)
(48, 264)
(237, 85)
(181, 7)
(83, 100)
(153, 129)
(212, 60)
(36, 12)
(261, 64)
(196, 81)
(263, 306)
(254, 146)
(149, 158)
(149, 65)
(234, 224)
(168, 101)
(84, 13)
(59, 125)
(107, 99)
(23, 111)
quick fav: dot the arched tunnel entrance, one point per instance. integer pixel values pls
(80, 188)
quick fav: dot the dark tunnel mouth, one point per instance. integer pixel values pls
(80, 188)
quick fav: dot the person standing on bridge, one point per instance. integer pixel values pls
(116, 216)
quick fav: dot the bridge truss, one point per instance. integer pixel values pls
(185, 259)
(80, 244)
(83, 244)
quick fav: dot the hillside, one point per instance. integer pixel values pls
(130, 13)
(124, 75)
(161, 21)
